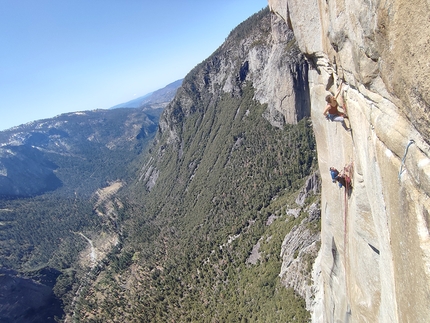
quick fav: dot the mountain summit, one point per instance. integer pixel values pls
(154, 100)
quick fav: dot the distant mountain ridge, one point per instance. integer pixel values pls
(154, 100)
(23, 149)
(33, 156)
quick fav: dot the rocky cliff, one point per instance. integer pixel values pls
(375, 254)
(268, 59)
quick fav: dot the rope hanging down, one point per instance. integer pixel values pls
(348, 172)
(404, 158)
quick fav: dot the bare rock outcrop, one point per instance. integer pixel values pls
(375, 253)
(269, 58)
(298, 252)
(312, 185)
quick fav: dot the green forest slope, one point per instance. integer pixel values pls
(197, 209)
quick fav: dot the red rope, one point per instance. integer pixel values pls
(345, 213)
(344, 235)
(346, 170)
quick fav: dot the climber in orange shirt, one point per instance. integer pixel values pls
(331, 111)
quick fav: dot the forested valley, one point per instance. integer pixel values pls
(41, 225)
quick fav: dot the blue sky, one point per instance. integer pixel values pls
(71, 55)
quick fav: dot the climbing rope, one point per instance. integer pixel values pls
(404, 158)
(347, 171)
(345, 218)
(345, 221)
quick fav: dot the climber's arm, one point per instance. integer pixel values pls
(326, 110)
(338, 92)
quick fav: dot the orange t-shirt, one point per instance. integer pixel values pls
(333, 110)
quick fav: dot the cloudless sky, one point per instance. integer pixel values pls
(62, 56)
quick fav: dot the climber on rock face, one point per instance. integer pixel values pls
(333, 173)
(337, 177)
(342, 178)
(331, 111)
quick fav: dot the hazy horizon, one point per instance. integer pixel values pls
(74, 56)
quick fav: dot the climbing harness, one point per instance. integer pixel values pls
(404, 158)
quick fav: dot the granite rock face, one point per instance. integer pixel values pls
(298, 252)
(375, 253)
